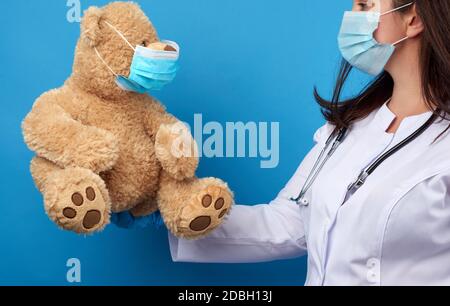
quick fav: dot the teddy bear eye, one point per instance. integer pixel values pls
(144, 43)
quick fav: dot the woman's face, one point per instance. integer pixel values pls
(391, 27)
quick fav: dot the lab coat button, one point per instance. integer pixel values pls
(373, 273)
(373, 277)
(373, 263)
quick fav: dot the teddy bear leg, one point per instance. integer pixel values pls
(40, 169)
(193, 208)
(76, 199)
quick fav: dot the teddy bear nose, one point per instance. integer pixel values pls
(169, 48)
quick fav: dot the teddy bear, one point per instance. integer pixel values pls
(101, 149)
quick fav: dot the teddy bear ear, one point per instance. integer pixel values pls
(90, 26)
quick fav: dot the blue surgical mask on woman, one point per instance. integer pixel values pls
(358, 45)
(150, 69)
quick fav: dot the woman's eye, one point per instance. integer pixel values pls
(365, 5)
(362, 5)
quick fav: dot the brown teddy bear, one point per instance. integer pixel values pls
(101, 149)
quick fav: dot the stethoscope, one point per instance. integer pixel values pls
(339, 135)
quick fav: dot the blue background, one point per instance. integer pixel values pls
(242, 60)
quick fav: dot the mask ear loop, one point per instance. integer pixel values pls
(394, 10)
(400, 41)
(397, 8)
(121, 36)
(104, 62)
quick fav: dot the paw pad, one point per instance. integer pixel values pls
(206, 201)
(203, 222)
(92, 217)
(219, 203)
(223, 213)
(77, 199)
(90, 193)
(69, 213)
(200, 223)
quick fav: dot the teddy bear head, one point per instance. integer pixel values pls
(100, 46)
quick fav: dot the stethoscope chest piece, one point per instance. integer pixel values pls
(303, 202)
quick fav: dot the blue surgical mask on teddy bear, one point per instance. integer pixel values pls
(150, 69)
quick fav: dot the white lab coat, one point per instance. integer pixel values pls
(395, 230)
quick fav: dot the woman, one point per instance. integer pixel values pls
(376, 210)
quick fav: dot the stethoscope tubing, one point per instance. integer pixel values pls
(318, 165)
(341, 134)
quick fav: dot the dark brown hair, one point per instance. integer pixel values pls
(434, 67)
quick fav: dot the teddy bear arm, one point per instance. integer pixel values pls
(175, 147)
(155, 117)
(53, 134)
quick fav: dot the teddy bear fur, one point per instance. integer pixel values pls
(100, 149)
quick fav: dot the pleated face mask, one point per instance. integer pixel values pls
(358, 45)
(150, 69)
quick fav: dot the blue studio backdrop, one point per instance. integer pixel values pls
(242, 61)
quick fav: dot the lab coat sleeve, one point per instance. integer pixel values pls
(257, 233)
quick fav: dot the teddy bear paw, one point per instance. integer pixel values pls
(205, 212)
(79, 206)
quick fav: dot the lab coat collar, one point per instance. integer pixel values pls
(384, 117)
